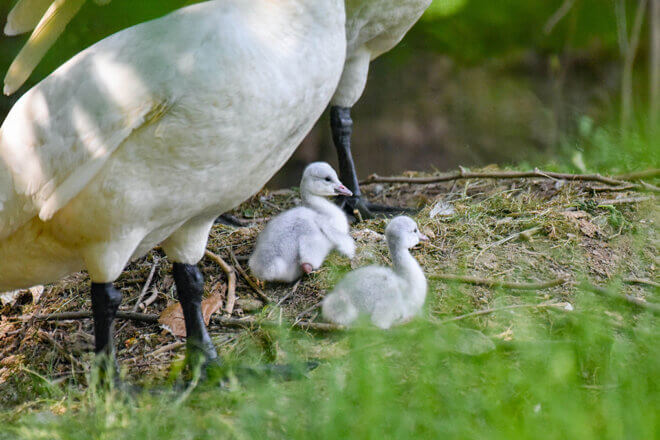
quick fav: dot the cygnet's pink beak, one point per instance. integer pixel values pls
(422, 237)
(341, 190)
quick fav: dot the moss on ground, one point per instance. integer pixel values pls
(560, 358)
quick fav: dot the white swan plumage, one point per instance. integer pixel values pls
(298, 240)
(386, 295)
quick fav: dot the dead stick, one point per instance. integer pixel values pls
(231, 280)
(655, 308)
(498, 309)
(625, 201)
(291, 292)
(498, 283)
(638, 175)
(260, 293)
(166, 348)
(146, 285)
(67, 316)
(251, 322)
(526, 235)
(641, 281)
(48, 337)
(216, 319)
(463, 174)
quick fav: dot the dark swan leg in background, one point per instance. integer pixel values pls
(342, 129)
(105, 303)
(190, 288)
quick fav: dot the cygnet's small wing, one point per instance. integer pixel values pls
(338, 308)
(279, 241)
(371, 286)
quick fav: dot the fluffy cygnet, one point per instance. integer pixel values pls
(298, 240)
(387, 295)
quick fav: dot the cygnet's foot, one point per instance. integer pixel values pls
(357, 208)
(307, 268)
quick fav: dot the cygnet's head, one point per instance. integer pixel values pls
(403, 231)
(319, 179)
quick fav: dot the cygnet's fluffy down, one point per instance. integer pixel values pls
(387, 295)
(298, 240)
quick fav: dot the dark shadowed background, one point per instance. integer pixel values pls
(475, 82)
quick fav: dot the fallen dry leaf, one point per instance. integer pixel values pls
(172, 317)
(211, 305)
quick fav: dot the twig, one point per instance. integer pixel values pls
(641, 187)
(225, 321)
(146, 285)
(463, 174)
(291, 292)
(166, 348)
(310, 309)
(624, 201)
(147, 302)
(638, 175)
(558, 15)
(499, 309)
(252, 322)
(69, 316)
(641, 281)
(498, 283)
(48, 337)
(231, 280)
(655, 308)
(629, 187)
(260, 293)
(527, 235)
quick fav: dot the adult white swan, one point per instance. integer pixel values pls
(373, 27)
(150, 134)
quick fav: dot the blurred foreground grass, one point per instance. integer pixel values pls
(587, 374)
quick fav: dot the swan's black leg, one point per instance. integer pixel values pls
(190, 288)
(105, 303)
(342, 129)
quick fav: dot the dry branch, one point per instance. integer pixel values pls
(146, 285)
(67, 316)
(639, 175)
(463, 174)
(253, 284)
(166, 348)
(499, 283)
(641, 186)
(630, 299)
(231, 280)
(641, 281)
(499, 309)
(624, 201)
(223, 321)
(252, 322)
(526, 235)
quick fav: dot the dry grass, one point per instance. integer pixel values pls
(575, 239)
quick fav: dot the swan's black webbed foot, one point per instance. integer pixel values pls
(190, 288)
(355, 206)
(358, 208)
